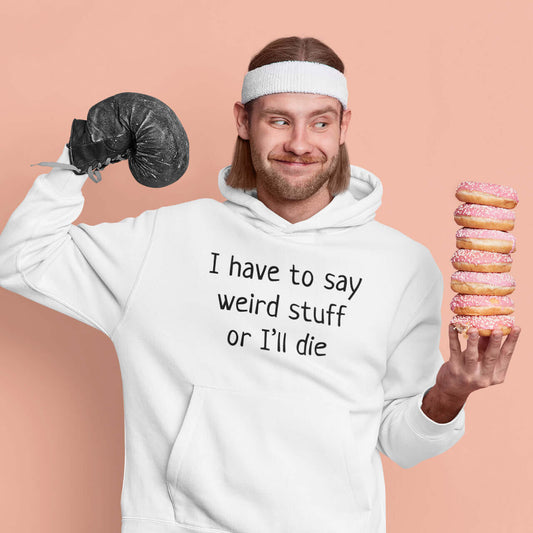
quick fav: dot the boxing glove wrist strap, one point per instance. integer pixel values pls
(66, 166)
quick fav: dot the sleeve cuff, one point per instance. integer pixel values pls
(65, 182)
(424, 426)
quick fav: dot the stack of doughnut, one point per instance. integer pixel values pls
(483, 258)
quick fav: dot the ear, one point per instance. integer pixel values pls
(241, 120)
(346, 117)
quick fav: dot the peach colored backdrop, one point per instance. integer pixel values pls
(440, 91)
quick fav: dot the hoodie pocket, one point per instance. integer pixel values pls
(263, 462)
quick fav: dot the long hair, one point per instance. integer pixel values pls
(242, 174)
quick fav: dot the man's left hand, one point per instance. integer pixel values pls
(482, 363)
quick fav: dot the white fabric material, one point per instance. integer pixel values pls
(295, 77)
(264, 365)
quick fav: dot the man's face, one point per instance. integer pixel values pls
(294, 141)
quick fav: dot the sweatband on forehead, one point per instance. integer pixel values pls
(295, 77)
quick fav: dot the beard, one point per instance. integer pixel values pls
(292, 187)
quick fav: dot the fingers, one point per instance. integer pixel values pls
(506, 352)
(471, 353)
(511, 340)
(491, 353)
(455, 345)
(485, 360)
(483, 343)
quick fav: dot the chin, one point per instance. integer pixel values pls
(284, 190)
(292, 186)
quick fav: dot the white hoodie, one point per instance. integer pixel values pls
(265, 364)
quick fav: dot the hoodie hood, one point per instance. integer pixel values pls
(353, 207)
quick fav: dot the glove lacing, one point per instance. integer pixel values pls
(91, 171)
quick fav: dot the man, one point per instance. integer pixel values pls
(270, 346)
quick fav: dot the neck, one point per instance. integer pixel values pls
(295, 210)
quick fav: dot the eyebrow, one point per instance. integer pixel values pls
(323, 111)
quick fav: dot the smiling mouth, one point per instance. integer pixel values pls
(297, 163)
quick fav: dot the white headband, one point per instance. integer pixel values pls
(295, 77)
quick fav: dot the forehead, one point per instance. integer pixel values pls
(297, 104)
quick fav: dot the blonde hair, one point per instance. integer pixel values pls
(242, 173)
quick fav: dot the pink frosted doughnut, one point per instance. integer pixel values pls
(478, 261)
(484, 324)
(484, 217)
(488, 283)
(476, 304)
(478, 192)
(490, 240)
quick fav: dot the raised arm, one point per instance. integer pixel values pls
(83, 271)
(88, 272)
(407, 435)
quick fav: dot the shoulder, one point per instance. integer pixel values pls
(199, 207)
(407, 253)
(194, 215)
(390, 236)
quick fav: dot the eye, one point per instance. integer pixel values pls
(321, 125)
(279, 121)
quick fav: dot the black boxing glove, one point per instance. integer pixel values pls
(132, 126)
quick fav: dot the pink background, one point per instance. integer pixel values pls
(440, 92)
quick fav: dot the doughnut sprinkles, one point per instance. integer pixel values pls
(476, 304)
(480, 261)
(478, 192)
(484, 324)
(485, 283)
(484, 217)
(489, 240)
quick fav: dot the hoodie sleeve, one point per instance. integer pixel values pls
(86, 272)
(407, 435)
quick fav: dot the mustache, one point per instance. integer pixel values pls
(298, 159)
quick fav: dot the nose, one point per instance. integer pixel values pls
(298, 141)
